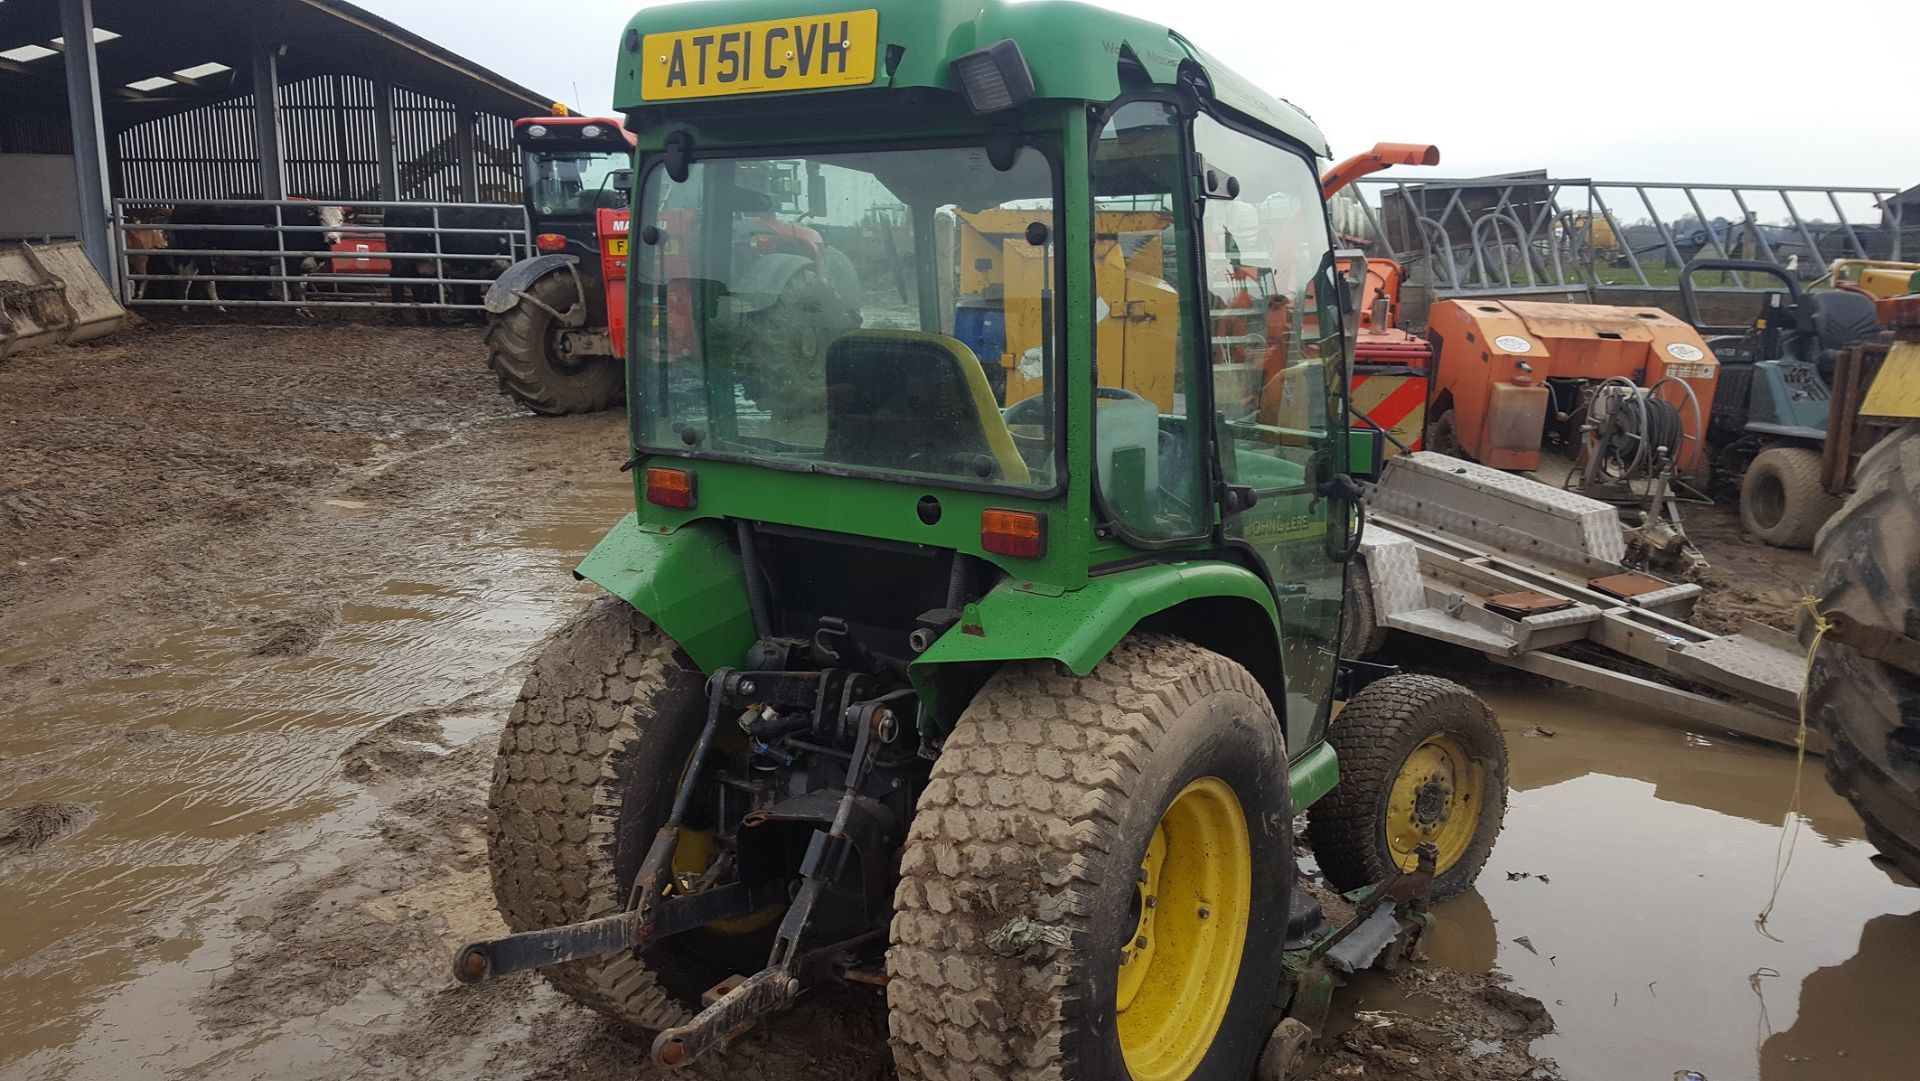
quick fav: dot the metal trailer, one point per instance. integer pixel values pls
(1535, 578)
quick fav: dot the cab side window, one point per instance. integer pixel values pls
(1147, 443)
(1273, 295)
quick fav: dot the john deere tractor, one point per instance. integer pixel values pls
(975, 634)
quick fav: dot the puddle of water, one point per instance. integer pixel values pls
(1650, 851)
(196, 744)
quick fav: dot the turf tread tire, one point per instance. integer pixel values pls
(1029, 794)
(518, 353)
(1806, 504)
(1373, 736)
(555, 803)
(1870, 712)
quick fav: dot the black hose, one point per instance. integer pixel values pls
(957, 581)
(1662, 428)
(756, 585)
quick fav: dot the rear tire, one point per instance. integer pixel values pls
(1058, 807)
(1425, 738)
(1870, 712)
(1782, 502)
(522, 350)
(586, 773)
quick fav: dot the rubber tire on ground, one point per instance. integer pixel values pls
(1361, 635)
(586, 773)
(1443, 436)
(1804, 504)
(520, 351)
(1373, 736)
(1040, 808)
(1870, 712)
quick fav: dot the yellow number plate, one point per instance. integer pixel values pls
(761, 58)
(617, 246)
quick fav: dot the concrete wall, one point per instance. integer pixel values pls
(37, 195)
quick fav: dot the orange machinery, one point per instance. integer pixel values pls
(1389, 383)
(1507, 371)
(1492, 378)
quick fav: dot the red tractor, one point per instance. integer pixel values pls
(556, 321)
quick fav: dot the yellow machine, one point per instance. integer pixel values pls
(1879, 278)
(1138, 342)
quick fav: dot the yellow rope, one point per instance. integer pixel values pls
(1790, 829)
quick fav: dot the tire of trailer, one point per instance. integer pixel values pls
(1361, 635)
(1782, 501)
(1425, 738)
(1870, 712)
(1056, 807)
(588, 764)
(522, 350)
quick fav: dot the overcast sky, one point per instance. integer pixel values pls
(1681, 90)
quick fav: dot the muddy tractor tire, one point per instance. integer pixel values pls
(1421, 759)
(1870, 711)
(1782, 502)
(523, 349)
(592, 753)
(1088, 849)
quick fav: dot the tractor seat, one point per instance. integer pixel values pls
(918, 402)
(1842, 317)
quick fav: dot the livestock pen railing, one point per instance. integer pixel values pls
(239, 253)
(1515, 233)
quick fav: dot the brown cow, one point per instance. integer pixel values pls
(142, 243)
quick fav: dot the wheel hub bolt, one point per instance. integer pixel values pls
(1140, 943)
(1206, 913)
(1153, 902)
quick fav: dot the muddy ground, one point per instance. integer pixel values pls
(263, 596)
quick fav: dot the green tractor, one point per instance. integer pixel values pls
(976, 633)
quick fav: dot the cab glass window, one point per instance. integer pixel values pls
(575, 183)
(1147, 444)
(887, 311)
(1273, 292)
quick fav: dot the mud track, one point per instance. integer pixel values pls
(264, 595)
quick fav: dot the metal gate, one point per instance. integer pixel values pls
(1515, 233)
(250, 253)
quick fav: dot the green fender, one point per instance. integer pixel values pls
(688, 581)
(1080, 627)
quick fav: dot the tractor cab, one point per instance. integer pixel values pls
(574, 167)
(980, 610)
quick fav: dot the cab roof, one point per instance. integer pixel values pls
(1073, 49)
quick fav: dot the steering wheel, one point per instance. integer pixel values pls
(1033, 411)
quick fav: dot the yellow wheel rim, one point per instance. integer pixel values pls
(1191, 907)
(1436, 797)
(694, 854)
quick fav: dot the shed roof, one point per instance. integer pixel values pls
(157, 59)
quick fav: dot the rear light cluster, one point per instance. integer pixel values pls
(1017, 533)
(1013, 533)
(1902, 314)
(676, 488)
(550, 242)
